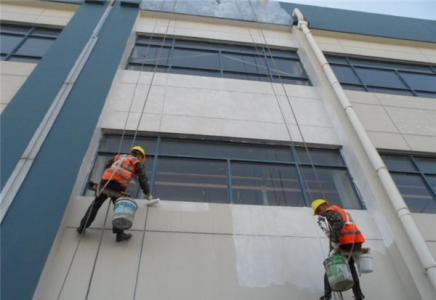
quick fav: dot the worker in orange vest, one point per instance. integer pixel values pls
(119, 172)
(345, 237)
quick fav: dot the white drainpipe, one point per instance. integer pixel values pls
(388, 184)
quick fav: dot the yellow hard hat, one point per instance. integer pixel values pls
(317, 203)
(139, 149)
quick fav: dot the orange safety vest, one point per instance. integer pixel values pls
(122, 169)
(350, 233)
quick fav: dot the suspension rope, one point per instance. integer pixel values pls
(265, 44)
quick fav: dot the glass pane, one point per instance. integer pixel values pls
(415, 193)
(265, 184)
(240, 48)
(196, 44)
(426, 164)
(243, 63)
(9, 42)
(46, 31)
(333, 184)
(217, 149)
(14, 29)
(154, 40)
(345, 74)
(35, 47)
(194, 180)
(281, 66)
(420, 81)
(389, 91)
(426, 95)
(320, 157)
(195, 59)
(398, 163)
(336, 59)
(150, 55)
(353, 87)
(391, 65)
(24, 59)
(111, 144)
(432, 181)
(282, 53)
(381, 78)
(177, 70)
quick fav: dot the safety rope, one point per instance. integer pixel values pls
(265, 44)
(100, 190)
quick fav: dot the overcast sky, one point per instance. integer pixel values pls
(422, 9)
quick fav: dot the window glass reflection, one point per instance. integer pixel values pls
(264, 184)
(415, 193)
(194, 180)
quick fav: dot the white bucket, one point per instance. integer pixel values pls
(124, 213)
(338, 273)
(365, 263)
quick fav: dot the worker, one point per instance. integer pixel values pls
(118, 173)
(345, 238)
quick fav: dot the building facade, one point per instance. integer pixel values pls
(247, 113)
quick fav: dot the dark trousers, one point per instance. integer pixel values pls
(356, 287)
(93, 208)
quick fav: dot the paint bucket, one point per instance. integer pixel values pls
(338, 273)
(124, 213)
(365, 263)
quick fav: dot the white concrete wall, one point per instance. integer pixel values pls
(375, 47)
(215, 106)
(12, 76)
(36, 12)
(182, 250)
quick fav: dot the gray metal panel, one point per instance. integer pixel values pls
(366, 23)
(26, 110)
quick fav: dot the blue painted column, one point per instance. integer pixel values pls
(24, 113)
(32, 221)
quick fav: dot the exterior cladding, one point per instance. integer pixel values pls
(32, 100)
(348, 21)
(35, 215)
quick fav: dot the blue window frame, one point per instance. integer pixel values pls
(181, 56)
(381, 76)
(415, 176)
(25, 43)
(198, 170)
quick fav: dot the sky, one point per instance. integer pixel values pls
(421, 9)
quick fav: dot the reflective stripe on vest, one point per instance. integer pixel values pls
(350, 233)
(122, 169)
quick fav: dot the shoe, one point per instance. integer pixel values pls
(325, 298)
(359, 296)
(123, 236)
(80, 229)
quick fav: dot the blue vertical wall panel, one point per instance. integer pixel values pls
(33, 219)
(24, 113)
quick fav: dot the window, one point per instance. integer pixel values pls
(229, 172)
(415, 177)
(217, 60)
(388, 77)
(25, 43)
